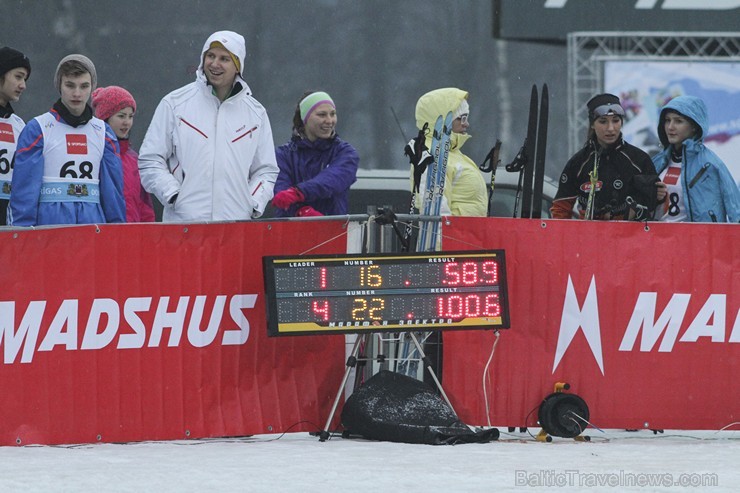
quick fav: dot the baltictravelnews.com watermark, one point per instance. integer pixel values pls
(620, 479)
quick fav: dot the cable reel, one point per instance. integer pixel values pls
(563, 415)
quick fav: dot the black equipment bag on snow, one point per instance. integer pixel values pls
(396, 408)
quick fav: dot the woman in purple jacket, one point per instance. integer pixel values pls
(316, 166)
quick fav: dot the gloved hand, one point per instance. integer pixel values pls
(419, 157)
(308, 211)
(641, 212)
(417, 152)
(288, 197)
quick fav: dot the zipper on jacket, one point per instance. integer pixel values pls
(699, 175)
(687, 186)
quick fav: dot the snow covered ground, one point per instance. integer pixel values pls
(614, 460)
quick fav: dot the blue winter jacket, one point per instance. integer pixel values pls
(323, 170)
(26, 209)
(709, 189)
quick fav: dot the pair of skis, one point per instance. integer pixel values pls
(429, 231)
(435, 184)
(530, 160)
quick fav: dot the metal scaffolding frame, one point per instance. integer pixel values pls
(587, 52)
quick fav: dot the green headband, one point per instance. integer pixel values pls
(310, 102)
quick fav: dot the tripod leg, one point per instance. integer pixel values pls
(351, 362)
(431, 371)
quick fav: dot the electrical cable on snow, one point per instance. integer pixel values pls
(318, 428)
(727, 426)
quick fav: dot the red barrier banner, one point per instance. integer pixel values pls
(149, 331)
(642, 321)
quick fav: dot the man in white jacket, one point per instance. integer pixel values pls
(208, 154)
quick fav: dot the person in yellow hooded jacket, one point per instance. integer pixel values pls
(465, 192)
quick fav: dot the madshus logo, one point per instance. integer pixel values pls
(645, 329)
(665, 4)
(189, 321)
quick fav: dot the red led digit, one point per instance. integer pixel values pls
(490, 272)
(492, 306)
(322, 278)
(472, 306)
(450, 307)
(321, 309)
(452, 276)
(469, 273)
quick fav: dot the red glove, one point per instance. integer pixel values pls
(308, 211)
(286, 198)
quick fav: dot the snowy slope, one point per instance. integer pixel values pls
(300, 463)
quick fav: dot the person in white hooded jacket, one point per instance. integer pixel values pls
(208, 154)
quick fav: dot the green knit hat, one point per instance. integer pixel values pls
(312, 101)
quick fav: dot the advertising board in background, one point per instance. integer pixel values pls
(646, 86)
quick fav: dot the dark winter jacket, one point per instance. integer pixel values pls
(619, 165)
(710, 192)
(322, 170)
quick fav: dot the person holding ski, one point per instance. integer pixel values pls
(208, 154)
(15, 69)
(608, 179)
(116, 107)
(465, 192)
(317, 168)
(699, 186)
(68, 166)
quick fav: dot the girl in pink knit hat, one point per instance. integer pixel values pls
(116, 106)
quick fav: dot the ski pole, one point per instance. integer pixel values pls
(518, 164)
(593, 179)
(493, 160)
(398, 122)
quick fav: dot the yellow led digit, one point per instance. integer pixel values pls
(374, 280)
(378, 305)
(358, 312)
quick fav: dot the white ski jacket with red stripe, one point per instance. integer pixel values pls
(217, 157)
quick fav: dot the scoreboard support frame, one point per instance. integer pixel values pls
(352, 362)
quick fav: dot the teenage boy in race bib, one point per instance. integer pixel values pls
(15, 69)
(67, 165)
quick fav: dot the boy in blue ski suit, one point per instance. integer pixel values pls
(67, 166)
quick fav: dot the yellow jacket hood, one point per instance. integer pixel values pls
(440, 102)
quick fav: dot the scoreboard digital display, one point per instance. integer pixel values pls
(356, 293)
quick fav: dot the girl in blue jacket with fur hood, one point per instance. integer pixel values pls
(699, 185)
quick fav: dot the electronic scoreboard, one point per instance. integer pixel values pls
(356, 293)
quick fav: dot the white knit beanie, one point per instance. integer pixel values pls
(461, 110)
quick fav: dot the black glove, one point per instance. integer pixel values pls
(642, 212)
(644, 191)
(419, 156)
